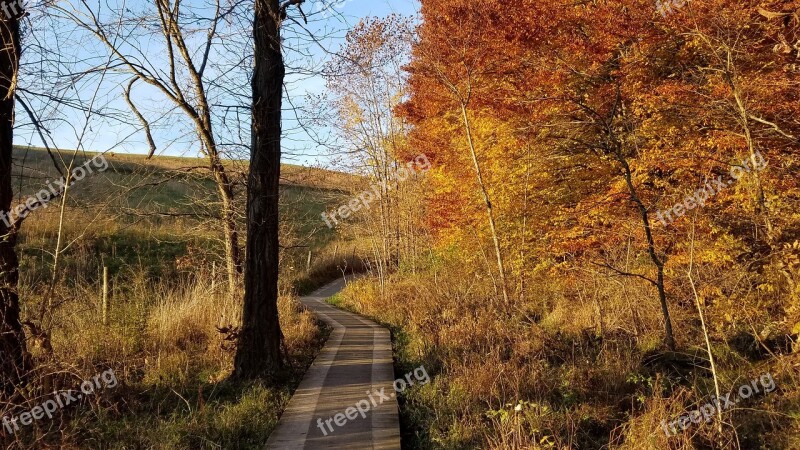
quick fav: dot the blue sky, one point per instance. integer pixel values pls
(172, 134)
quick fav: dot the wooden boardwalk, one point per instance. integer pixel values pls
(354, 365)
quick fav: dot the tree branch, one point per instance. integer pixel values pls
(145, 124)
(623, 273)
(773, 125)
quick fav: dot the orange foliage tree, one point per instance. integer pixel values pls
(596, 134)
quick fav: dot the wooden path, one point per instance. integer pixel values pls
(339, 403)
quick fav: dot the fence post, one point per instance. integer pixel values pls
(105, 295)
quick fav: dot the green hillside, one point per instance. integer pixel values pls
(139, 211)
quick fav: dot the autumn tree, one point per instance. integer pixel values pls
(452, 66)
(366, 82)
(744, 80)
(558, 93)
(641, 173)
(731, 106)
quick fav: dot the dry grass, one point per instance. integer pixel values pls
(578, 365)
(165, 345)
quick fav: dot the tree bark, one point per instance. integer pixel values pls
(14, 363)
(258, 353)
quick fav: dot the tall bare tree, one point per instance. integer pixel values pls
(183, 83)
(13, 354)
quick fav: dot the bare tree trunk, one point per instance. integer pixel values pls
(523, 245)
(615, 148)
(398, 194)
(14, 363)
(233, 258)
(173, 84)
(487, 201)
(703, 325)
(258, 353)
(760, 199)
(669, 337)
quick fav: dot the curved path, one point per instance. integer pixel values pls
(343, 384)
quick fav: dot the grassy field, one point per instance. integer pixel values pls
(143, 212)
(152, 224)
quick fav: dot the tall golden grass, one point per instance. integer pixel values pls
(577, 365)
